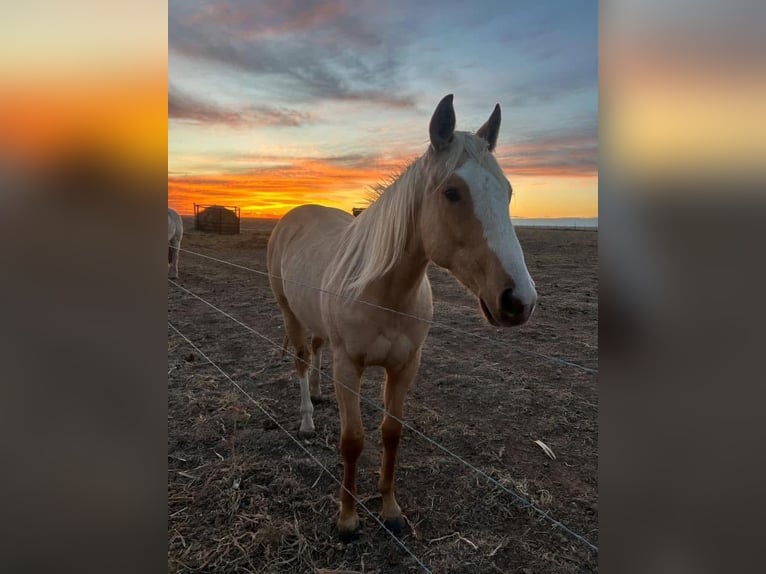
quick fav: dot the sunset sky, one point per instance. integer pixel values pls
(276, 104)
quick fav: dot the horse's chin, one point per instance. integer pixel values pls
(487, 314)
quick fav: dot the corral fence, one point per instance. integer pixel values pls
(217, 219)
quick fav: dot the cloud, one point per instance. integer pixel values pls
(270, 190)
(184, 107)
(559, 44)
(563, 152)
(306, 50)
(271, 185)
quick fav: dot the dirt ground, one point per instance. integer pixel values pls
(242, 497)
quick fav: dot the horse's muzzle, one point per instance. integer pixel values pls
(503, 318)
(514, 311)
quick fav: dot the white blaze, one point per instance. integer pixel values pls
(490, 203)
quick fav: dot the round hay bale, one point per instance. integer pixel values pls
(218, 219)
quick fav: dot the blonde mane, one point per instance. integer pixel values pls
(373, 244)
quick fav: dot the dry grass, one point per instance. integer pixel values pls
(243, 498)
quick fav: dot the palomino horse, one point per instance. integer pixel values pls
(451, 206)
(175, 234)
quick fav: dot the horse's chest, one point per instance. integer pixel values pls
(386, 350)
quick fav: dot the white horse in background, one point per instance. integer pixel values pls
(175, 234)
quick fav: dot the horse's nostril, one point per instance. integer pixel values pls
(510, 304)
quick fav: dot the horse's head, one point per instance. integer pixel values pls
(465, 218)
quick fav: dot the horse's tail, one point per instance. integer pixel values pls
(285, 342)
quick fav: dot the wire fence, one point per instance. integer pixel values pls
(527, 352)
(521, 500)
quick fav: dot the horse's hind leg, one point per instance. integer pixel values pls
(173, 248)
(297, 335)
(316, 366)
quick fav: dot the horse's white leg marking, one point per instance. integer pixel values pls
(307, 409)
(490, 203)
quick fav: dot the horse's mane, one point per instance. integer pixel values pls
(375, 241)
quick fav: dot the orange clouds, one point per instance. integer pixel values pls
(271, 191)
(344, 182)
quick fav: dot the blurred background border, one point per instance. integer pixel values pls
(83, 176)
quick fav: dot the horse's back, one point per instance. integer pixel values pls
(307, 228)
(299, 251)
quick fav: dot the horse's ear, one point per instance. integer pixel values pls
(490, 129)
(442, 127)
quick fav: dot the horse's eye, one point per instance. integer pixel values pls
(452, 194)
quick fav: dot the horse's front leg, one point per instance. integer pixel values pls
(347, 377)
(394, 393)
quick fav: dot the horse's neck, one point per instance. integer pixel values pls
(403, 282)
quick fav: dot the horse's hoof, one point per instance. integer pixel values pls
(316, 400)
(395, 525)
(348, 529)
(306, 433)
(348, 536)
